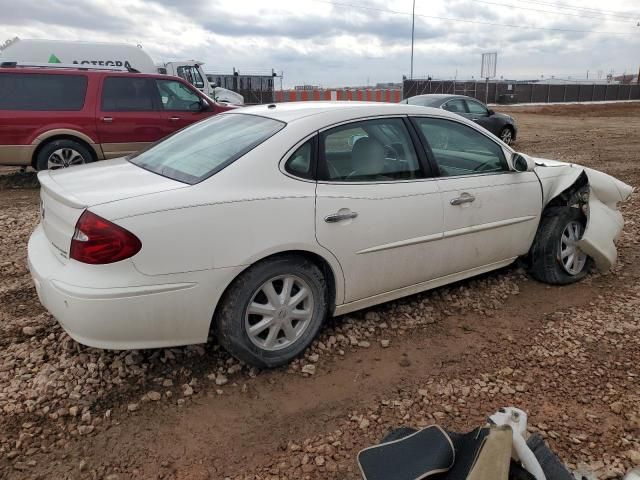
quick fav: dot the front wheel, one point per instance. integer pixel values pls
(556, 257)
(272, 311)
(506, 135)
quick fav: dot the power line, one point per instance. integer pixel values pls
(566, 6)
(463, 20)
(628, 19)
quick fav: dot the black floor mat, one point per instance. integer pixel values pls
(418, 455)
(407, 454)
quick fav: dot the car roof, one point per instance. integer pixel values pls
(329, 112)
(441, 96)
(88, 70)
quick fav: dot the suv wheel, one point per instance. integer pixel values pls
(62, 154)
(273, 311)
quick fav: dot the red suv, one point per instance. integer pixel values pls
(57, 117)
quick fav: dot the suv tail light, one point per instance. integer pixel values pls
(98, 241)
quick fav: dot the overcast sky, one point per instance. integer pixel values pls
(338, 43)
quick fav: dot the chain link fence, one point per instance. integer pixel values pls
(505, 92)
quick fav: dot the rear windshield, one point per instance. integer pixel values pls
(424, 101)
(42, 92)
(201, 150)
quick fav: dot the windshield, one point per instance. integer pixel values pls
(205, 148)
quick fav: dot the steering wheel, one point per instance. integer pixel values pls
(333, 172)
(482, 167)
(391, 150)
(438, 140)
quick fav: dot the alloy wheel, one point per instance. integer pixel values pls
(506, 136)
(63, 158)
(279, 312)
(572, 258)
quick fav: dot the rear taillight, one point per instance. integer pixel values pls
(98, 241)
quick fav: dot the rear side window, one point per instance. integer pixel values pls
(368, 151)
(42, 92)
(206, 147)
(301, 163)
(129, 94)
(457, 106)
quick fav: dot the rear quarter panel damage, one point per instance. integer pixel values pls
(604, 220)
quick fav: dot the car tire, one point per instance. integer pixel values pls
(506, 135)
(62, 153)
(242, 323)
(550, 255)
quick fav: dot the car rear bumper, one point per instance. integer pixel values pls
(145, 314)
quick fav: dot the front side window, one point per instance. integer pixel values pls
(204, 148)
(369, 151)
(42, 92)
(456, 106)
(477, 108)
(459, 149)
(177, 96)
(128, 94)
(191, 75)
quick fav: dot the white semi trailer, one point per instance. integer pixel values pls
(116, 55)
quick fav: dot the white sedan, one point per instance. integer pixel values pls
(260, 222)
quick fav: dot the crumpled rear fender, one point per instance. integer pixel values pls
(604, 220)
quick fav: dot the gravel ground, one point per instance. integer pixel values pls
(569, 356)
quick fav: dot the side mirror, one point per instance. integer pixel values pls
(521, 163)
(204, 105)
(490, 112)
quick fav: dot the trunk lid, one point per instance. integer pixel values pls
(65, 194)
(109, 181)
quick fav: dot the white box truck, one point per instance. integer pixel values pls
(117, 55)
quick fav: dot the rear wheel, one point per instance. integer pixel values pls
(556, 258)
(273, 311)
(62, 153)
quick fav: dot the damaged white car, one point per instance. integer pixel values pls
(259, 223)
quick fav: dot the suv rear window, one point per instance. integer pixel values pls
(42, 92)
(205, 148)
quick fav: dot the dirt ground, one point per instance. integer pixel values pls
(569, 356)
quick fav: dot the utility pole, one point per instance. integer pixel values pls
(413, 29)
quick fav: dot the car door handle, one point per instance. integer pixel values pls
(464, 198)
(107, 119)
(174, 119)
(337, 217)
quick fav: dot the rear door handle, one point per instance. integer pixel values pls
(174, 119)
(337, 217)
(463, 198)
(107, 119)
